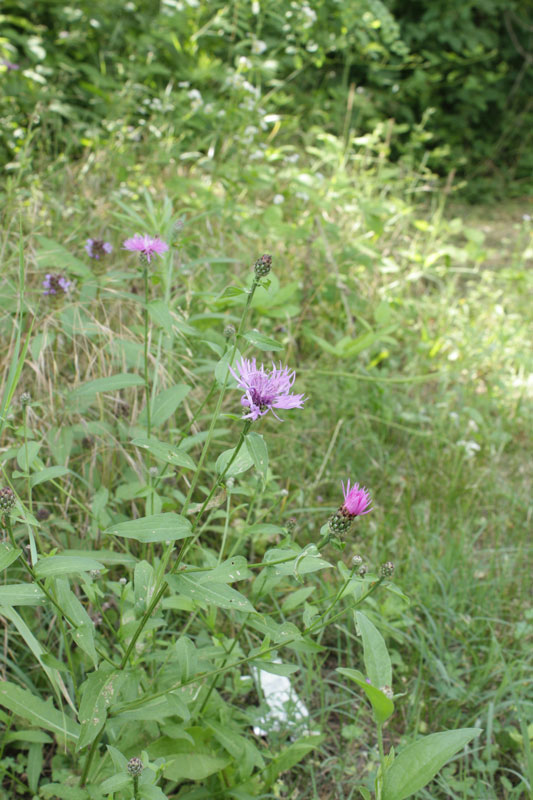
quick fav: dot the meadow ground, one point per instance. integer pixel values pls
(407, 317)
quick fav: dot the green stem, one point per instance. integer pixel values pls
(146, 331)
(160, 590)
(220, 670)
(216, 412)
(163, 587)
(89, 759)
(135, 787)
(380, 745)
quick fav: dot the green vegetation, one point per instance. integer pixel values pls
(406, 316)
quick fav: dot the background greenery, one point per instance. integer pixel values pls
(451, 82)
(406, 315)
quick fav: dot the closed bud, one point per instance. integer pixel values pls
(362, 571)
(135, 766)
(387, 569)
(291, 524)
(263, 266)
(25, 399)
(357, 561)
(339, 523)
(7, 499)
(229, 331)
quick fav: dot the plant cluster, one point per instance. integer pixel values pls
(148, 680)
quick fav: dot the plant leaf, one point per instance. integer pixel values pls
(382, 705)
(216, 594)
(258, 450)
(420, 761)
(157, 528)
(377, 660)
(165, 452)
(31, 708)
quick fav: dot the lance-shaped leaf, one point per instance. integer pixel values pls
(205, 594)
(97, 693)
(31, 708)
(382, 705)
(166, 452)
(156, 528)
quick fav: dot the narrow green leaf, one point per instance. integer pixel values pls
(231, 570)
(157, 528)
(258, 450)
(65, 565)
(63, 791)
(26, 459)
(110, 384)
(382, 705)
(8, 554)
(262, 342)
(419, 762)
(165, 452)
(31, 708)
(165, 404)
(97, 693)
(21, 594)
(205, 594)
(377, 660)
(48, 474)
(242, 462)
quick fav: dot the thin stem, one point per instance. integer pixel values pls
(380, 745)
(89, 759)
(159, 592)
(135, 787)
(218, 406)
(162, 589)
(146, 331)
(220, 670)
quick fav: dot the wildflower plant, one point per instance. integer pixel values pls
(145, 687)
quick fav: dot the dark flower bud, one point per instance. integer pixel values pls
(135, 766)
(362, 571)
(387, 569)
(42, 514)
(7, 499)
(229, 331)
(339, 523)
(262, 266)
(291, 524)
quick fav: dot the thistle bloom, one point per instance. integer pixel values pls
(96, 248)
(147, 246)
(356, 503)
(55, 283)
(265, 390)
(356, 500)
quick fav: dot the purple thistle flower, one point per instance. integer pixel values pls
(146, 245)
(96, 248)
(265, 390)
(55, 283)
(356, 500)
(9, 65)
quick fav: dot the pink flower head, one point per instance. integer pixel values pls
(265, 390)
(356, 500)
(146, 245)
(96, 248)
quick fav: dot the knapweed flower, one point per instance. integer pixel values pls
(55, 283)
(356, 503)
(97, 248)
(7, 499)
(147, 246)
(265, 390)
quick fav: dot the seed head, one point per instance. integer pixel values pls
(386, 569)
(25, 399)
(135, 766)
(262, 266)
(7, 499)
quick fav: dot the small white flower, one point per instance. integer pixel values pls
(258, 47)
(244, 63)
(255, 8)
(278, 199)
(471, 448)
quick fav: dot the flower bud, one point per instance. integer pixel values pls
(362, 571)
(291, 524)
(262, 266)
(25, 399)
(7, 499)
(339, 523)
(135, 766)
(387, 569)
(229, 331)
(357, 561)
